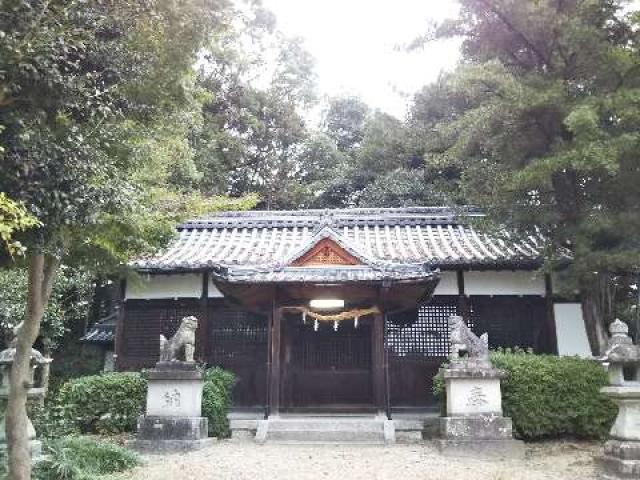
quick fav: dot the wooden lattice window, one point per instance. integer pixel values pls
(422, 333)
(236, 335)
(144, 321)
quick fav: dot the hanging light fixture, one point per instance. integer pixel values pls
(327, 303)
(335, 326)
(315, 325)
(355, 322)
(304, 317)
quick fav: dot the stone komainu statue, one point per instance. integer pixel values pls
(182, 344)
(464, 341)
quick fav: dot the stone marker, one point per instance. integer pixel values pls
(474, 425)
(622, 451)
(173, 420)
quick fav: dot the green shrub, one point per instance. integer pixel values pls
(111, 404)
(103, 404)
(52, 420)
(82, 458)
(216, 400)
(549, 397)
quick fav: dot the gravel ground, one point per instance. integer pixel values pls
(245, 460)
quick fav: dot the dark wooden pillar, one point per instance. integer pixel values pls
(275, 375)
(378, 362)
(203, 326)
(119, 340)
(550, 316)
(464, 304)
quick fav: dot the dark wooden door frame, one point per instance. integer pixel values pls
(277, 368)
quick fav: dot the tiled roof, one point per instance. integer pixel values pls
(261, 244)
(103, 331)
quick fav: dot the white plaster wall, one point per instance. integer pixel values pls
(213, 290)
(503, 283)
(448, 284)
(165, 286)
(570, 330)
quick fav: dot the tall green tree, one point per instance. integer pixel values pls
(378, 163)
(81, 85)
(344, 121)
(253, 124)
(540, 124)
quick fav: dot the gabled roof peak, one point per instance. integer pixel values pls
(328, 233)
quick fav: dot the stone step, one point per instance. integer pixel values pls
(341, 436)
(326, 425)
(323, 430)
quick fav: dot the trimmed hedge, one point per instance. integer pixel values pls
(111, 403)
(103, 404)
(549, 397)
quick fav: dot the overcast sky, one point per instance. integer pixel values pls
(355, 45)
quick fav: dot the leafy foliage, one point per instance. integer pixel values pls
(83, 458)
(250, 135)
(216, 400)
(103, 404)
(69, 302)
(111, 403)
(540, 125)
(14, 217)
(552, 397)
(378, 162)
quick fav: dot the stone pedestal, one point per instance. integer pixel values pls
(474, 425)
(622, 452)
(173, 419)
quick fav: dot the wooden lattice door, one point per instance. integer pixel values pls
(325, 368)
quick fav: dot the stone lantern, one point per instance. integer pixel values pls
(622, 450)
(37, 379)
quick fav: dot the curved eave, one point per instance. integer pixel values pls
(453, 264)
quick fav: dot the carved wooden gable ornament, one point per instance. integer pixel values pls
(326, 252)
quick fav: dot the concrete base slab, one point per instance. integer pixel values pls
(326, 429)
(409, 437)
(621, 460)
(389, 432)
(476, 428)
(243, 435)
(244, 424)
(154, 428)
(163, 446)
(261, 432)
(506, 448)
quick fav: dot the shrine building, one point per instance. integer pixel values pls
(341, 310)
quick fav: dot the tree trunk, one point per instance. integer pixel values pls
(42, 270)
(598, 309)
(594, 322)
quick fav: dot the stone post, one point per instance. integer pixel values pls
(173, 419)
(622, 451)
(474, 425)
